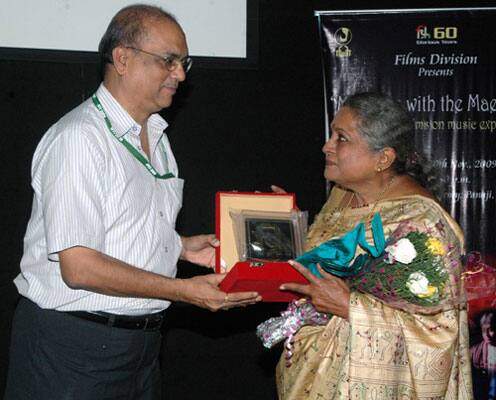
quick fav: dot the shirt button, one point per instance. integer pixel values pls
(166, 249)
(161, 213)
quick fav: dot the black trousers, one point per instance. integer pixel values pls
(56, 356)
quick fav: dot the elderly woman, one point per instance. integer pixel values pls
(372, 348)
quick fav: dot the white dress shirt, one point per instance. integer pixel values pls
(90, 191)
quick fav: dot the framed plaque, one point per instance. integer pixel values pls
(269, 239)
(259, 233)
(268, 236)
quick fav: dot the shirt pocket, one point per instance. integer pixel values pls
(173, 198)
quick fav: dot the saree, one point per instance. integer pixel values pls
(382, 351)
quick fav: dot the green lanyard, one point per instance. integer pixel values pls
(129, 146)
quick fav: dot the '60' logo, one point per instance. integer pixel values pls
(439, 32)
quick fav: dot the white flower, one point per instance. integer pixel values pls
(402, 251)
(418, 284)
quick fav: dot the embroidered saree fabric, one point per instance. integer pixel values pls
(384, 352)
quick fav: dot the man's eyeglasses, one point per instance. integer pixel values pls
(169, 62)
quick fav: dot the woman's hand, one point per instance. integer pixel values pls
(277, 189)
(328, 294)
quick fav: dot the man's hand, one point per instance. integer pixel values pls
(328, 294)
(200, 249)
(203, 291)
(88, 269)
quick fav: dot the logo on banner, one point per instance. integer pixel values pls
(436, 35)
(422, 32)
(342, 36)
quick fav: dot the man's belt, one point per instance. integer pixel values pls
(148, 322)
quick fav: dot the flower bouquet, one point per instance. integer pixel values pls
(406, 272)
(410, 270)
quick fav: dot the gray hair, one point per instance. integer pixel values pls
(127, 28)
(385, 123)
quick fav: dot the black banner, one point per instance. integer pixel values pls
(441, 65)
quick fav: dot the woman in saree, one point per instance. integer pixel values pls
(373, 348)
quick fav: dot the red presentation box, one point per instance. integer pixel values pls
(259, 275)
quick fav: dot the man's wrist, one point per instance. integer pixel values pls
(182, 255)
(178, 290)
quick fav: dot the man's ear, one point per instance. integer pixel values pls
(120, 58)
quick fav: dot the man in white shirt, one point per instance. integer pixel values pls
(101, 249)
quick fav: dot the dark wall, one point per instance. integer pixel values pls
(233, 128)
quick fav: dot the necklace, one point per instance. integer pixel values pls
(333, 224)
(379, 198)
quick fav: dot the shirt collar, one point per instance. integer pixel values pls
(156, 127)
(124, 124)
